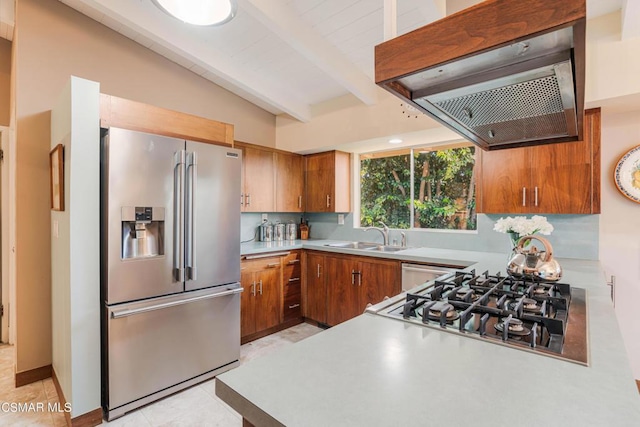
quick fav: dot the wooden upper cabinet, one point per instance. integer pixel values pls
(561, 178)
(328, 182)
(505, 178)
(289, 182)
(258, 173)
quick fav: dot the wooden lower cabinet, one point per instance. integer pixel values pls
(292, 283)
(353, 282)
(334, 288)
(379, 279)
(260, 302)
(344, 287)
(272, 297)
(316, 288)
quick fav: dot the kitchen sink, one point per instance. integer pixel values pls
(383, 248)
(366, 246)
(353, 245)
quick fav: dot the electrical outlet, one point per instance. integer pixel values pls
(340, 219)
(264, 217)
(55, 229)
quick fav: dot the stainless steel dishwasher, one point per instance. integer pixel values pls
(417, 274)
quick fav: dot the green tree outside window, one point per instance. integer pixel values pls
(443, 184)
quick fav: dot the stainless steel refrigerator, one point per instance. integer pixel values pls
(170, 265)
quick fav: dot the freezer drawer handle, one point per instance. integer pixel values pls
(125, 313)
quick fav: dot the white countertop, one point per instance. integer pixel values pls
(374, 371)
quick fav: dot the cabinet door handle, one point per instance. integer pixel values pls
(318, 270)
(248, 199)
(294, 306)
(300, 202)
(260, 290)
(241, 199)
(535, 195)
(294, 279)
(524, 196)
(293, 261)
(353, 277)
(253, 289)
(273, 265)
(359, 273)
(328, 201)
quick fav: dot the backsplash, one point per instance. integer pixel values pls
(574, 236)
(249, 222)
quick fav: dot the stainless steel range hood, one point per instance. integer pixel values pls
(504, 73)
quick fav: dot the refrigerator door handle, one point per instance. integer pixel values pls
(178, 216)
(192, 179)
(132, 312)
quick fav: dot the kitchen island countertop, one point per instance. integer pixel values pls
(373, 370)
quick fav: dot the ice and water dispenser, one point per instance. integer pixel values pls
(142, 232)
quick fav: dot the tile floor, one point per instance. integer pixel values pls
(196, 406)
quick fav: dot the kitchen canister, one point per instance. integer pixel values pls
(292, 231)
(278, 232)
(266, 232)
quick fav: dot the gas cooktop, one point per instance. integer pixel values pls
(545, 318)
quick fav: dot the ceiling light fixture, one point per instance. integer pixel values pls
(395, 141)
(199, 12)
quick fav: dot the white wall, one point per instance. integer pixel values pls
(612, 64)
(75, 250)
(620, 229)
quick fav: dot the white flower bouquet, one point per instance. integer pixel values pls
(520, 226)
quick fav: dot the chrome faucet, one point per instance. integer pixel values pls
(384, 230)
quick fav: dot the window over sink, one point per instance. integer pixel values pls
(425, 187)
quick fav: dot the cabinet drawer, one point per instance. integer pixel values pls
(291, 289)
(292, 275)
(292, 259)
(261, 264)
(292, 307)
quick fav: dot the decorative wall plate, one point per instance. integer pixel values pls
(627, 174)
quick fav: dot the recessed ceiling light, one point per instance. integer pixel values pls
(395, 141)
(199, 12)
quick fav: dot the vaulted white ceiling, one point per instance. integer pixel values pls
(285, 55)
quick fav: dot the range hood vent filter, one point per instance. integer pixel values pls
(523, 111)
